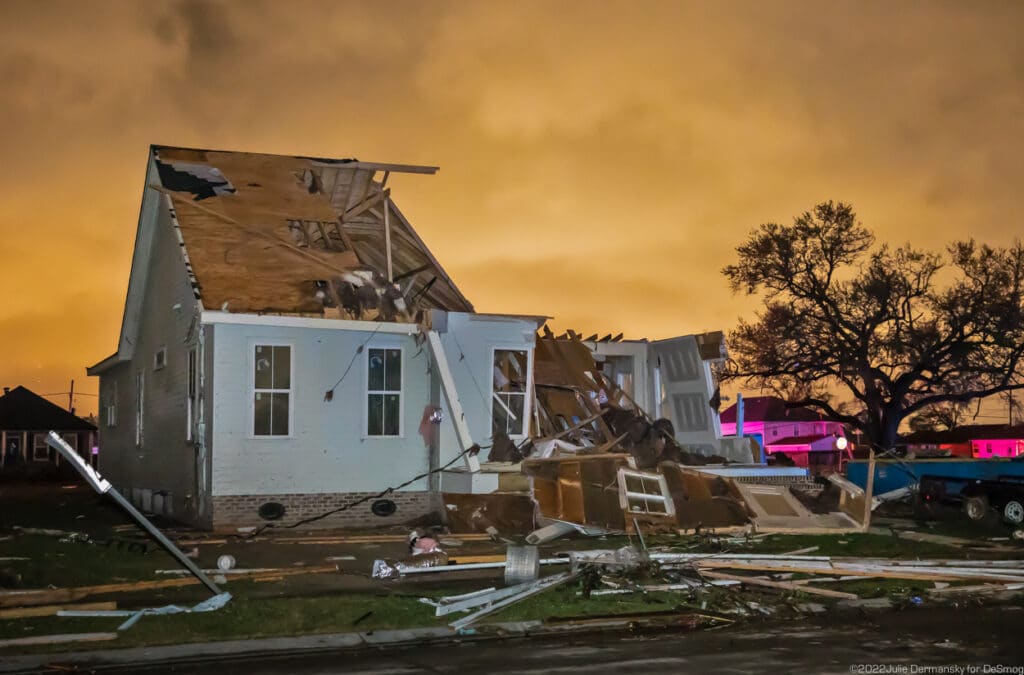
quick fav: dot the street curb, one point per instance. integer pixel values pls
(283, 646)
(183, 654)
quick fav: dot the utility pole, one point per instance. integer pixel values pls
(71, 397)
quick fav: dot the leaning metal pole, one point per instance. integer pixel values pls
(103, 486)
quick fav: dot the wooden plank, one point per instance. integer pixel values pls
(61, 595)
(57, 639)
(51, 610)
(885, 573)
(783, 585)
(379, 166)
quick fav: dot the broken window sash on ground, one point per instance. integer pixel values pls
(271, 390)
(384, 392)
(508, 406)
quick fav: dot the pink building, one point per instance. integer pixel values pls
(799, 433)
(980, 441)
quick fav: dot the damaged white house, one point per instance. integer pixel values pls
(288, 339)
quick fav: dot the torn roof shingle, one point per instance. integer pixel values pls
(242, 215)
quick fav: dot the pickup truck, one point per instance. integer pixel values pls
(1004, 494)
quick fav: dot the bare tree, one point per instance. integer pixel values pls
(874, 321)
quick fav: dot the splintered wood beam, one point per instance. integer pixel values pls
(365, 205)
(298, 251)
(199, 207)
(343, 233)
(378, 166)
(412, 272)
(387, 241)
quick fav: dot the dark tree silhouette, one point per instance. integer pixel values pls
(896, 330)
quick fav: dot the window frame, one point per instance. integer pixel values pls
(528, 397)
(160, 358)
(367, 392)
(111, 407)
(35, 444)
(251, 389)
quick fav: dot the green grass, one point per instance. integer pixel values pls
(78, 564)
(254, 617)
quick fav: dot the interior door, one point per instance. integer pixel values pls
(682, 391)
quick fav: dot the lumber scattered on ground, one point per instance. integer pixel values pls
(29, 598)
(51, 610)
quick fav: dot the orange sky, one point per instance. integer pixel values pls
(599, 160)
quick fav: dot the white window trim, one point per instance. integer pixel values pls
(251, 390)
(111, 407)
(527, 403)
(35, 440)
(366, 391)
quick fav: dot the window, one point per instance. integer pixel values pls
(40, 450)
(160, 358)
(508, 394)
(111, 407)
(140, 384)
(272, 383)
(384, 392)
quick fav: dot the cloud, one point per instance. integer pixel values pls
(600, 161)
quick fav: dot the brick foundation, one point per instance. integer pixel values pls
(232, 511)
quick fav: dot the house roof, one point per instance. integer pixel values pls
(964, 434)
(23, 410)
(799, 440)
(282, 234)
(770, 409)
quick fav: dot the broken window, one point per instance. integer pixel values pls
(140, 384)
(384, 392)
(508, 395)
(40, 451)
(272, 383)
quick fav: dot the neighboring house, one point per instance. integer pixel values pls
(981, 441)
(806, 437)
(288, 338)
(25, 420)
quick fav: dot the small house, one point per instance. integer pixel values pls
(801, 435)
(25, 420)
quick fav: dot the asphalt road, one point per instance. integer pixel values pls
(917, 641)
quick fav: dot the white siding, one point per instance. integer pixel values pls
(468, 342)
(326, 450)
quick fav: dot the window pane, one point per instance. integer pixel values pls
(391, 416)
(375, 377)
(263, 364)
(393, 370)
(517, 403)
(279, 414)
(282, 363)
(500, 422)
(509, 370)
(375, 415)
(261, 415)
